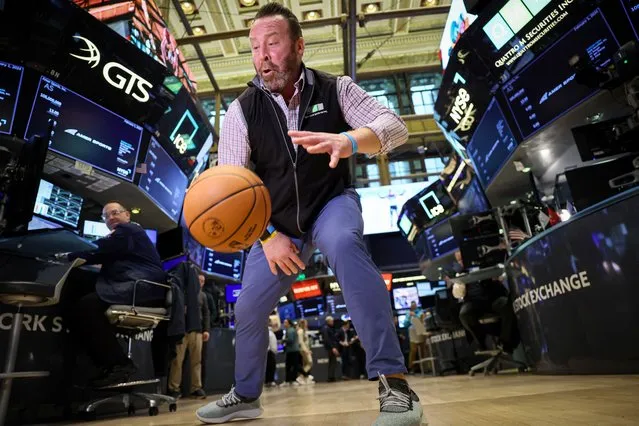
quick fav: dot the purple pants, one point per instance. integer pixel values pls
(338, 234)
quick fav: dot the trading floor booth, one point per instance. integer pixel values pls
(114, 123)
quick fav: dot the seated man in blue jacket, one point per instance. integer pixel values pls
(126, 255)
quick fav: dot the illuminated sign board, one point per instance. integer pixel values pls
(306, 289)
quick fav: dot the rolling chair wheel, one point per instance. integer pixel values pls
(154, 411)
(172, 408)
(131, 410)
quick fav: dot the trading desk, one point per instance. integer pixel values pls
(575, 291)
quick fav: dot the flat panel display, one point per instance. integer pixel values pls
(310, 307)
(232, 292)
(632, 11)
(547, 88)
(184, 133)
(84, 130)
(226, 265)
(10, 82)
(440, 240)
(40, 223)
(286, 311)
(457, 23)
(404, 296)
(473, 200)
(55, 203)
(492, 144)
(335, 304)
(429, 288)
(381, 205)
(164, 182)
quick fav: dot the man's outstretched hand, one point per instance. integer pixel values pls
(335, 145)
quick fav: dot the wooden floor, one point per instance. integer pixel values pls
(459, 400)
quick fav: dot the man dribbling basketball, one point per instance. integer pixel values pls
(287, 106)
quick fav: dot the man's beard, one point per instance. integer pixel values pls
(281, 76)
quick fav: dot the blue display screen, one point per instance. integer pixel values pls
(10, 82)
(547, 88)
(227, 265)
(84, 130)
(164, 182)
(232, 292)
(492, 144)
(440, 239)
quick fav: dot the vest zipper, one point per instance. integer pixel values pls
(290, 156)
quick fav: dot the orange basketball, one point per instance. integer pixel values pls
(227, 208)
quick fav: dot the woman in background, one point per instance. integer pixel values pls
(305, 351)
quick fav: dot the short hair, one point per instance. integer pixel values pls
(329, 318)
(116, 202)
(277, 9)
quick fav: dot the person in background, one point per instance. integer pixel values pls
(481, 298)
(126, 255)
(305, 351)
(414, 311)
(210, 302)
(404, 344)
(271, 363)
(192, 342)
(345, 336)
(331, 345)
(293, 357)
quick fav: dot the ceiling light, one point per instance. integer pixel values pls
(564, 215)
(188, 7)
(428, 3)
(136, 210)
(248, 3)
(312, 15)
(283, 299)
(248, 23)
(199, 30)
(370, 7)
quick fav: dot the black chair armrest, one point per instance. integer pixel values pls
(135, 286)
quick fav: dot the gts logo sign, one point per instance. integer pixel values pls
(114, 73)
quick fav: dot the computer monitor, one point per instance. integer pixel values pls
(286, 311)
(84, 130)
(404, 296)
(11, 81)
(38, 222)
(315, 306)
(224, 265)
(163, 182)
(335, 304)
(57, 204)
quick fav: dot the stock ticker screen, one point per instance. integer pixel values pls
(10, 82)
(84, 130)
(58, 204)
(228, 265)
(163, 182)
(632, 10)
(492, 144)
(547, 88)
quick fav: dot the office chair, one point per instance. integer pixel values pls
(131, 320)
(497, 357)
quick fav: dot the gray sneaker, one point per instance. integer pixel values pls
(230, 407)
(398, 404)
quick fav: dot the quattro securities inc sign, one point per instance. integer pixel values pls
(560, 287)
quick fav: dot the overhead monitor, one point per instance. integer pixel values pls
(631, 8)
(457, 23)
(440, 240)
(10, 82)
(435, 203)
(404, 296)
(547, 88)
(84, 130)
(473, 199)
(225, 265)
(57, 204)
(184, 132)
(306, 289)
(381, 205)
(492, 144)
(163, 182)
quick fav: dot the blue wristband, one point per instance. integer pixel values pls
(353, 141)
